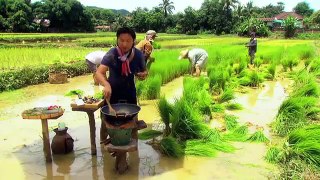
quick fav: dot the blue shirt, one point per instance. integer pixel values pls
(123, 87)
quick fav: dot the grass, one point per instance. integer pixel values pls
(149, 134)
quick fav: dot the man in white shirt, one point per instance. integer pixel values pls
(197, 57)
(93, 60)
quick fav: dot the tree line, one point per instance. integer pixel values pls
(214, 16)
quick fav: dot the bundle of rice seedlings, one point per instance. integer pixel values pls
(212, 135)
(200, 148)
(291, 115)
(315, 65)
(258, 136)
(153, 87)
(304, 144)
(165, 109)
(204, 102)
(243, 130)
(217, 108)
(272, 70)
(231, 122)
(186, 121)
(310, 89)
(170, 147)
(149, 134)
(234, 106)
(239, 134)
(227, 95)
(274, 155)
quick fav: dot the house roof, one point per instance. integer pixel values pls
(284, 15)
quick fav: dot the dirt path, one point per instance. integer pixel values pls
(21, 146)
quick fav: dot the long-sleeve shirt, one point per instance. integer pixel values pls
(252, 45)
(197, 55)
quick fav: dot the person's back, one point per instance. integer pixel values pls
(95, 57)
(196, 55)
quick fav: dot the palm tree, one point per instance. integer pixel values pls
(228, 3)
(167, 7)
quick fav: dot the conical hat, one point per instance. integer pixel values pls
(183, 54)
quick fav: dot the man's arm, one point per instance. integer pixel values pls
(101, 77)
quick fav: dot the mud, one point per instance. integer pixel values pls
(21, 144)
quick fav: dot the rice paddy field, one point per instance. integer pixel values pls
(186, 123)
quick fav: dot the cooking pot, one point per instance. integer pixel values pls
(124, 113)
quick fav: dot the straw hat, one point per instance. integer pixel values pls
(183, 54)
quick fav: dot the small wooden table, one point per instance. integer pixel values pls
(44, 114)
(90, 109)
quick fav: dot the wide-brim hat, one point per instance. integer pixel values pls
(152, 33)
(183, 54)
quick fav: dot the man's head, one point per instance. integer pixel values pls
(125, 38)
(151, 35)
(183, 54)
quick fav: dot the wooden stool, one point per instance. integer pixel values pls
(90, 109)
(44, 114)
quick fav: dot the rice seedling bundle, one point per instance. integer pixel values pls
(234, 106)
(274, 155)
(170, 147)
(231, 122)
(149, 134)
(258, 136)
(165, 110)
(309, 89)
(227, 95)
(291, 115)
(200, 148)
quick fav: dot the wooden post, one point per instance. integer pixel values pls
(121, 162)
(46, 140)
(92, 125)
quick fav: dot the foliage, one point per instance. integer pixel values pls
(274, 155)
(253, 25)
(290, 27)
(231, 122)
(165, 109)
(258, 136)
(171, 147)
(149, 134)
(303, 9)
(75, 92)
(315, 17)
(234, 106)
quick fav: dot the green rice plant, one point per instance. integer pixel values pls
(274, 155)
(310, 89)
(315, 65)
(231, 122)
(272, 70)
(149, 134)
(204, 102)
(217, 108)
(289, 62)
(291, 115)
(234, 106)
(227, 95)
(253, 79)
(153, 85)
(304, 144)
(165, 109)
(186, 121)
(171, 147)
(212, 135)
(258, 136)
(238, 68)
(258, 62)
(218, 79)
(298, 169)
(75, 92)
(242, 130)
(200, 148)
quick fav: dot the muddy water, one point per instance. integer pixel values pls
(22, 157)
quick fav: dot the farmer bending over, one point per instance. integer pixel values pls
(123, 62)
(197, 57)
(146, 47)
(93, 60)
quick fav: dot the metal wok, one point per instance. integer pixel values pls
(124, 113)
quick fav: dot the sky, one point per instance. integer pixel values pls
(180, 5)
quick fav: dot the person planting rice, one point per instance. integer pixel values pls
(252, 47)
(123, 63)
(93, 60)
(146, 47)
(197, 57)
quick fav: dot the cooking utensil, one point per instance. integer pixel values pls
(124, 113)
(111, 110)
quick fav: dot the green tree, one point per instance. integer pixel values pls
(189, 21)
(315, 17)
(167, 7)
(303, 9)
(229, 3)
(290, 26)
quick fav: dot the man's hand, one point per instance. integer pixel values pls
(142, 75)
(107, 91)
